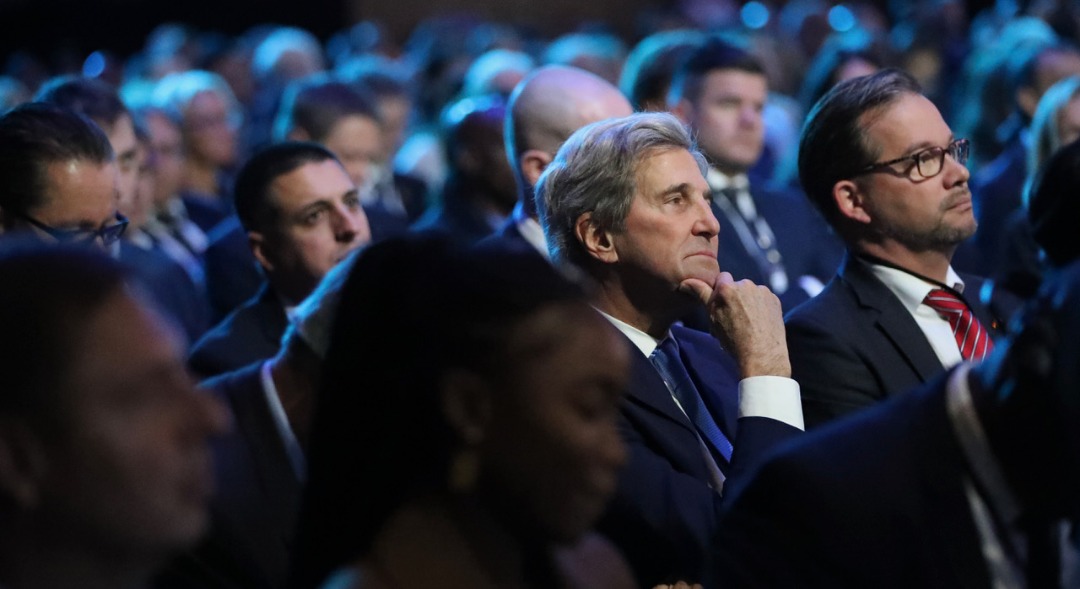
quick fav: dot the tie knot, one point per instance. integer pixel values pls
(668, 345)
(972, 340)
(944, 301)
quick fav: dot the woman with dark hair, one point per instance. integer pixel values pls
(466, 430)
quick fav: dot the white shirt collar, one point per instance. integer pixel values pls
(643, 341)
(910, 289)
(718, 180)
(530, 229)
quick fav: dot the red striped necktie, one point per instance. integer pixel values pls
(971, 336)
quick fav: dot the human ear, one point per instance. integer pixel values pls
(466, 403)
(22, 462)
(533, 162)
(298, 134)
(684, 110)
(1028, 100)
(257, 243)
(851, 201)
(596, 239)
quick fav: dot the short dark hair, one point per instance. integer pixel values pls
(652, 64)
(254, 205)
(50, 292)
(317, 104)
(90, 97)
(713, 55)
(34, 135)
(833, 143)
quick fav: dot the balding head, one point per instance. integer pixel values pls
(545, 109)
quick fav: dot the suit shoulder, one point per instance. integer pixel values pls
(831, 304)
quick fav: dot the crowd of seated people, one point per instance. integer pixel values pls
(741, 301)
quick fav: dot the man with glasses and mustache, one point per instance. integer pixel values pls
(880, 163)
(58, 177)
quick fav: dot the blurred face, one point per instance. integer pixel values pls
(394, 111)
(167, 153)
(1069, 122)
(854, 68)
(126, 147)
(727, 118)
(552, 448)
(79, 195)
(671, 233)
(357, 142)
(319, 222)
(918, 214)
(210, 130)
(130, 471)
(140, 208)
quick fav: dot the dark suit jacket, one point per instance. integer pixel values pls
(252, 332)
(664, 514)
(855, 344)
(232, 274)
(874, 501)
(204, 212)
(170, 286)
(802, 238)
(507, 237)
(253, 511)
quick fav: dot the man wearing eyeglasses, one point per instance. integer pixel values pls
(58, 177)
(884, 168)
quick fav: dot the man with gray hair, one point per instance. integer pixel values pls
(626, 201)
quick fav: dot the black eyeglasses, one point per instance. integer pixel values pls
(108, 234)
(928, 162)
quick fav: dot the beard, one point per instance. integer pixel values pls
(945, 234)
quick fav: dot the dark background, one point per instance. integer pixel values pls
(53, 28)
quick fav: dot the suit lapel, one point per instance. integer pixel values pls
(891, 318)
(272, 318)
(279, 485)
(647, 388)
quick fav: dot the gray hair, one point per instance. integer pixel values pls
(595, 171)
(174, 93)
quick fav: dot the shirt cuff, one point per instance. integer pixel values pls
(775, 397)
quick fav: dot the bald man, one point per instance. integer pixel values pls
(544, 110)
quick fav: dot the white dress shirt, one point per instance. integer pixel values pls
(912, 290)
(775, 397)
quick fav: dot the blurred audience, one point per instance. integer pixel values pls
(106, 467)
(479, 193)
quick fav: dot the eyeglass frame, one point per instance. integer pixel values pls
(108, 234)
(954, 149)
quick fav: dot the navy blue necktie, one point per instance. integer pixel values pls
(667, 361)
